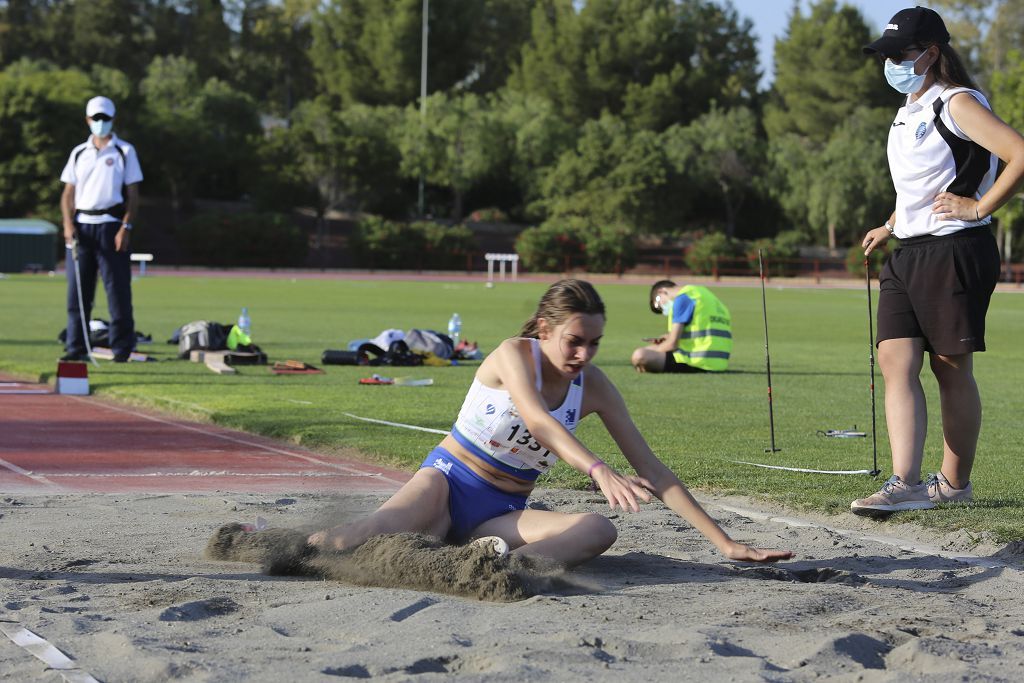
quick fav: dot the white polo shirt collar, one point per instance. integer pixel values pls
(925, 100)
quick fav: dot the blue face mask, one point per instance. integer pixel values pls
(101, 128)
(666, 306)
(902, 77)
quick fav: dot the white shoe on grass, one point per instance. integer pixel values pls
(941, 491)
(894, 496)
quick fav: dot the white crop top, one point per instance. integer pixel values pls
(490, 427)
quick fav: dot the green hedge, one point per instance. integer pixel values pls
(702, 255)
(381, 243)
(246, 239)
(599, 249)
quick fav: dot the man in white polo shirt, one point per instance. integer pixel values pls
(100, 199)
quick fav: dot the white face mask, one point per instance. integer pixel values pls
(902, 77)
(100, 128)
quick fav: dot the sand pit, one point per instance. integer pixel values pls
(121, 585)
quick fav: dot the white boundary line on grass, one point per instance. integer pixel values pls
(398, 424)
(234, 439)
(801, 469)
(43, 650)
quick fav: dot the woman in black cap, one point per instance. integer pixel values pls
(944, 147)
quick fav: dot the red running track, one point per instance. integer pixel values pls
(53, 443)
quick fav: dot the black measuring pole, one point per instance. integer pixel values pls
(871, 365)
(767, 357)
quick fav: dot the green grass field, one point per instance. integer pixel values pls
(697, 424)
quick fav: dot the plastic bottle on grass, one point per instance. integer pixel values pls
(244, 322)
(455, 328)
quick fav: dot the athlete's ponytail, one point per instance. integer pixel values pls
(562, 299)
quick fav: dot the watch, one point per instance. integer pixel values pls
(127, 226)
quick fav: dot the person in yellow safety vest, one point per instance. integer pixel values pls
(699, 335)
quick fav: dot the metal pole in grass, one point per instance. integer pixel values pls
(871, 364)
(767, 357)
(81, 305)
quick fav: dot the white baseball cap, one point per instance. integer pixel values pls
(99, 105)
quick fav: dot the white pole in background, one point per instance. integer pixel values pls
(423, 89)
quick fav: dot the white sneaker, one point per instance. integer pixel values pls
(895, 495)
(941, 491)
(496, 544)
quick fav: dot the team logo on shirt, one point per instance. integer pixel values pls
(110, 162)
(570, 416)
(921, 129)
(490, 409)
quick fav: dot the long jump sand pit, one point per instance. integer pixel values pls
(123, 585)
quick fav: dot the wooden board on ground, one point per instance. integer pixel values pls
(214, 360)
(108, 354)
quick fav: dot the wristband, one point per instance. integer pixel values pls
(892, 230)
(977, 213)
(599, 463)
(127, 226)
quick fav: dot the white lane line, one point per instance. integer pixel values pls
(198, 473)
(42, 650)
(398, 424)
(26, 473)
(234, 439)
(800, 469)
(193, 406)
(894, 541)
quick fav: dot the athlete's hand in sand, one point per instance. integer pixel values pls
(744, 553)
(621, 490)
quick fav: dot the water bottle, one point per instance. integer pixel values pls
(455, 328)
(244, 323)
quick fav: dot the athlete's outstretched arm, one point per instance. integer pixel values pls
(607, 402)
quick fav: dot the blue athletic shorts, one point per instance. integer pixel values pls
(471, 500)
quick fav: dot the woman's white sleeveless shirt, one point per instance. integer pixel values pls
(490, 426)
(928, 154)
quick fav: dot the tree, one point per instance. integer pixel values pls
(43, 110)
(460, 143)
(821, 74)
(272, 61)
(539, 138)
(723, 150)
(1008, 96)
(368, 51)
(651, 62)
(200, 137)
(614, 176)
(849, 190)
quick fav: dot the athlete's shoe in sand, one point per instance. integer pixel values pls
(941, 491)
(895, 495)
(496, 544)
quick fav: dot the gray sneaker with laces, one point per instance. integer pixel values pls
(894, 496)
(941, 491)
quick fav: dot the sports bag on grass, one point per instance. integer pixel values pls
(202, 335)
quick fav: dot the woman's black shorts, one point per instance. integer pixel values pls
(939, 288)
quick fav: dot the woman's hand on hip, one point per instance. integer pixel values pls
(948, 206)
(875, 238)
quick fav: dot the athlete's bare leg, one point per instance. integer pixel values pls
(569, 539)
(421, 505)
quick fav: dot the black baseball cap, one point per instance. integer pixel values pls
(908, 27)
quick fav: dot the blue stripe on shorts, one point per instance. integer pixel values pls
(471, 499)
